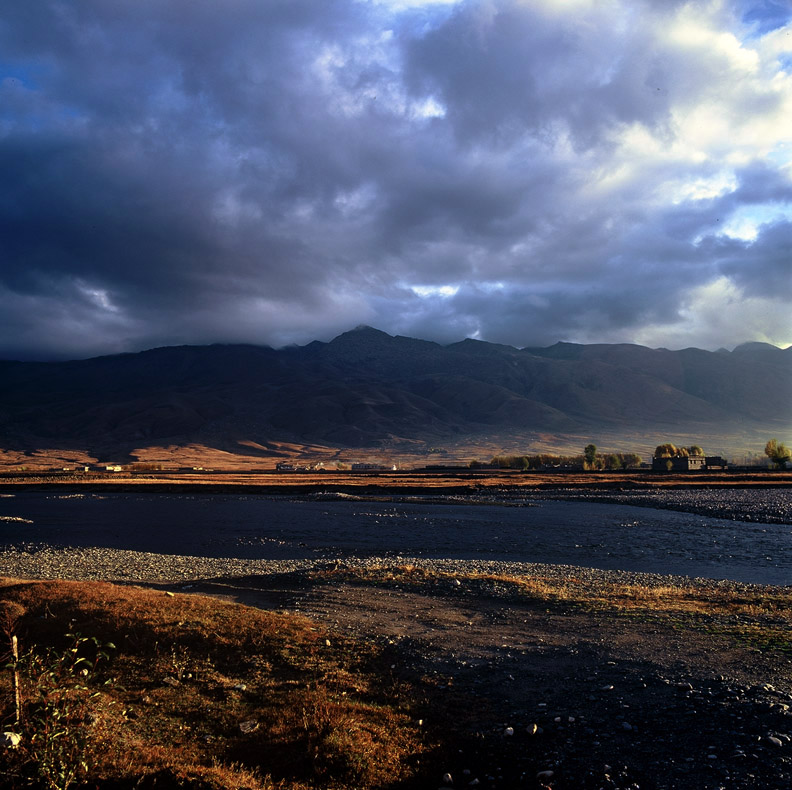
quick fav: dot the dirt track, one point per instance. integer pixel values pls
(617, 701)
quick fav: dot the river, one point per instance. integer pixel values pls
(608, 535)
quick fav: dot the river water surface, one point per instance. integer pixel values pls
(587, 533)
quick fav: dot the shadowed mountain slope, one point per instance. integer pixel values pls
(367, 388)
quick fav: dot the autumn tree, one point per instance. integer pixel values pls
(667, 450)
(778, 453)
(631, 460)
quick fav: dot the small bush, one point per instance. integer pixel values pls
(62, 716)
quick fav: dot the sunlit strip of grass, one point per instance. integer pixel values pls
(768, 604)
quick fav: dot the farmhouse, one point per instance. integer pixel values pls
(678, 463)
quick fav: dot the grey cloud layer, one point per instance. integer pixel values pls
(275, 171)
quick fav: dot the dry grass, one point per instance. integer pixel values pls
(386, 483)
(207, 694)
(200, 693)
(748, 603)
(760, 618)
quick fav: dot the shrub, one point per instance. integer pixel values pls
(61, 714)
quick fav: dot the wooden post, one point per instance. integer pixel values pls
(17, 694)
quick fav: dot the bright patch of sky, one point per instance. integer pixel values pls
(404, 5)
(746, 221)
(719, 311)
(766, 15)
(427, 291)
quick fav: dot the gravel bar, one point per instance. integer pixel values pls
(767, 505)
(42, 561)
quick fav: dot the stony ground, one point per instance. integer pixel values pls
(767, 505)
(534, 693)
(565, 697)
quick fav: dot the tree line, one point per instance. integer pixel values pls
(592, 460)
(588, 460)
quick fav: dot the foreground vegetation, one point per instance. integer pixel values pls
(184, 691)
(130, 687)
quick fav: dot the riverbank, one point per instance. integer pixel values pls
(444, 481)
(471, 674)
(42, 561)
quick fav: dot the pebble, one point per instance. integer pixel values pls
(10, 740)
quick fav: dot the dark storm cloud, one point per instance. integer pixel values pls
(276, 171)
(506, 68)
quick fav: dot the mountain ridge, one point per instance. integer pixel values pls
(366, 388)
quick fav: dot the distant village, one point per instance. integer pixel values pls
(667, 459)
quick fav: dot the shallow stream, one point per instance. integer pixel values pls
(586, 532)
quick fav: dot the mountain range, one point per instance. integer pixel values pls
(368, 389)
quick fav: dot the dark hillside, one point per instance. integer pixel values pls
(366, 388)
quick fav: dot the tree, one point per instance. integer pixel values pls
(694, 449)
(667, 450)
(612, 461)
(778, 453)
(631, 460)
(590, 455)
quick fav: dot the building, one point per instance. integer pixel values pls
(715, 462)
(679, 463)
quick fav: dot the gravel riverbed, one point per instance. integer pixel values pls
(43, 561)
(768, 505)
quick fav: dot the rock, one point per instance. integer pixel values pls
(627, 726)
(775, 741)
(448, 779)
(509, 731)
(545, 775)
(170, 681)
(533, 729)
(248, 726)
(10, 740)
(240, 686)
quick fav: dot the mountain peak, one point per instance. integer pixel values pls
(362, 331)
(755, 346)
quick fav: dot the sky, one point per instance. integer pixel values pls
(278, 171)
